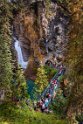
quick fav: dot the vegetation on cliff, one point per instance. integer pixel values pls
(5, 53)
(75, 57)
(12, 81)
(41, 80)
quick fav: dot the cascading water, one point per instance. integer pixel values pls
(19, 54)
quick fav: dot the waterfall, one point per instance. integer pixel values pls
(19, 54)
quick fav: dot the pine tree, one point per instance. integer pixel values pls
(19, 86)
(5, 53)
(41, 80)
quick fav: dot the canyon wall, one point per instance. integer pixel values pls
(42, 33)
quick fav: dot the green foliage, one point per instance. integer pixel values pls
(5, 53)
(74, 59)
(79, 118)
(10, 114)
(41, 79)
(50, 72)
(48, 13)
(19, 86)
(61, 1)
(59, 104)
(60, 78)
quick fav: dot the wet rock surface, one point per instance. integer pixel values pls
(56, 39)
(48, 37)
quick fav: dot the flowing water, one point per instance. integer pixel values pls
(19, 54)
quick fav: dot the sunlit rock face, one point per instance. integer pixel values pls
(25, 33)
(42, 34)
(27, 29)
(55, 30)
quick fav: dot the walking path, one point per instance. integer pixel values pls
(50, 92)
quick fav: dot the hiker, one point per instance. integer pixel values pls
(46, 102)
(60, 72)
(48, 95)
(43, 107)
(41, 102)
(50, 90)
(54, 95)
(54, 82)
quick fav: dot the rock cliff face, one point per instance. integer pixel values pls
(42, 33)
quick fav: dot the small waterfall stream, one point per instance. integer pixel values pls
(19, 54)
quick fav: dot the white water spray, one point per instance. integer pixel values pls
(19, 54)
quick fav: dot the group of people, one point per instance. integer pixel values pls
(50, 94)
(43, 103)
